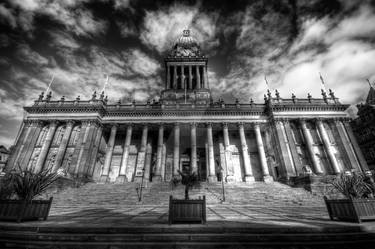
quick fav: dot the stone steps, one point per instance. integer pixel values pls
(270, 194)
(198, 236)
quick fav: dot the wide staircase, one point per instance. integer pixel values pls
(93, 195)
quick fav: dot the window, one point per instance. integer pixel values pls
(42, 136)
(74, 136)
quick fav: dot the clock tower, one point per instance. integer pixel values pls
(186, 73)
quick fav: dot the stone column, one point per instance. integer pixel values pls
(45, 148)
(94, 151)
(211, 161)
(108, 153)
(262, 154)
(227, 155)
(174, 77)
(328, 147)
(23, 139)
(245, 155)
(125, 155)
(190, 78)
(204, 78)
(193, 144)
(158, 176)
(309, 144)
(351, 147)
(81, 169)
(182, 78)
(168, 77)
(176, 149)
(198, 77)
(141, 164)
(63, 145)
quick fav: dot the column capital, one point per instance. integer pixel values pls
(161, 125)
(225, 125)
(240, 124)
(209, 125)
(70, 122)
(193, 124)
(54, 123)
(256, 125)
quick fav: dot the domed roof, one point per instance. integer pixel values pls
(186, 46)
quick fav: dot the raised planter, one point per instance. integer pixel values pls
(187, 211)
(20, 210)
(355, 210)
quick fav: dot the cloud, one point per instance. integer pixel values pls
(127, 28)
(140, 63)
(161, 28)
(7, 15)
(72, 14)
(27, 55)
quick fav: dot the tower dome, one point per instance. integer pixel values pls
(185, 46)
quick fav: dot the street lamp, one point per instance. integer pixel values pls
(222, 184)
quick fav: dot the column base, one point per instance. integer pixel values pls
(103, 179)
(267, 179)
(230, 179)
(121, 179)
(157, 179)
(212, 179)
(249, 179)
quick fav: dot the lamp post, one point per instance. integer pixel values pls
(141, 188)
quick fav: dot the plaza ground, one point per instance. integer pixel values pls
(254, 215)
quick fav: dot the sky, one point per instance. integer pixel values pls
(82, 41)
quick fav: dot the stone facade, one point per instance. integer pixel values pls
(4, 154)
(364, 128)
(186, 130)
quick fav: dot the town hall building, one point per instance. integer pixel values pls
(185, 129)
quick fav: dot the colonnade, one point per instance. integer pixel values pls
(196, 78)
(87, 147)
(342, 142)
(159, 170)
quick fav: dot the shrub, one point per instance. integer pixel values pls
(25, 184)
(353, 186)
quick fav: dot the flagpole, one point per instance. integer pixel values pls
(105, 84)
(50, 83)
(323, 84)
(265, 79)
(369, 82)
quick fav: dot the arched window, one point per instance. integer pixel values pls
(74, 136)
(59, 134)
(42, 136)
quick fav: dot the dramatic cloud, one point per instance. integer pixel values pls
(80, 42)
(163, 27)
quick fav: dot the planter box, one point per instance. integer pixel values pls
(187, 211)
(19, 210)
(355, 210)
